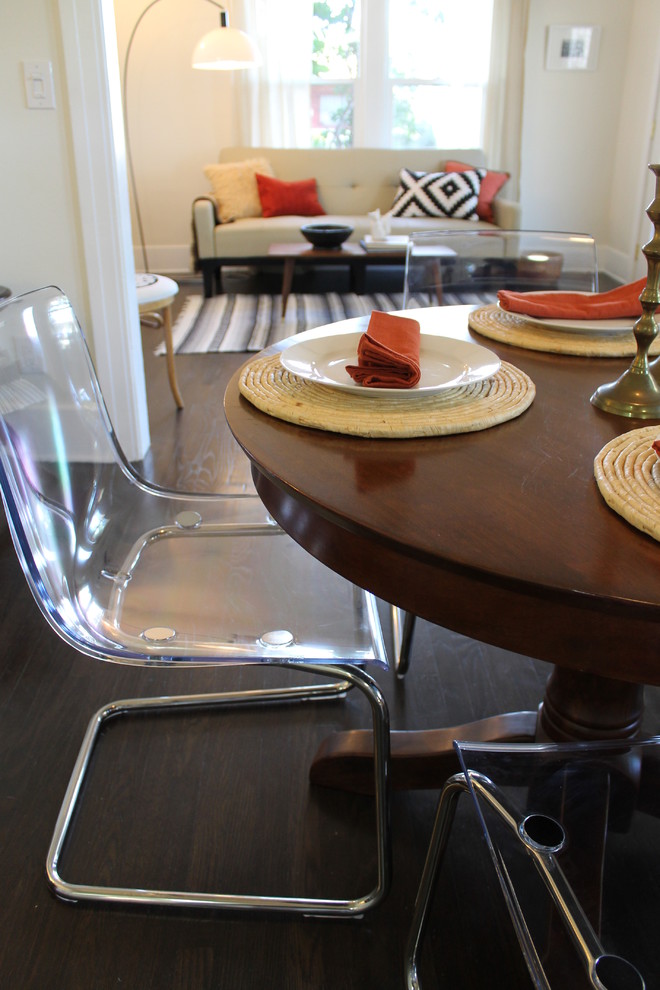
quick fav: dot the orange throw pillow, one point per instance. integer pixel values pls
(490, 186)
(279, 198)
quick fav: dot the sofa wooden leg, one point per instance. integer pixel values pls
(211, 276)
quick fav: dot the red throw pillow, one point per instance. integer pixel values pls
(490, 186)
(279, 198)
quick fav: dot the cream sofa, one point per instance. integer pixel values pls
(351, 183)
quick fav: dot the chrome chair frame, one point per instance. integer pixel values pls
(542, 838)
(51, 411)
(317, 907)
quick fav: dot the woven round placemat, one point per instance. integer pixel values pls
(627, 472)
(278, 392)
(511, 328)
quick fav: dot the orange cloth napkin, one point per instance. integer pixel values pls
(620, 302)
(388, 353)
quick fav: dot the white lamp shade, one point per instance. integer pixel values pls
(225, 48)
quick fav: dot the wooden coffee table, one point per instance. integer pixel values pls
(352, 255)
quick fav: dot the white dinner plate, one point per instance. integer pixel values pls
(444, 362)
(585, 326)
(579, 326)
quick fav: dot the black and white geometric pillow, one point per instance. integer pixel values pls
(438, 194)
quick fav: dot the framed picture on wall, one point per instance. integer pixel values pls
(572, 46)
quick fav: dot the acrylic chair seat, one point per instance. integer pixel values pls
(128, 572)
(468, 267)
(570, 834)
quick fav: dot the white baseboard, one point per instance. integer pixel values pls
(165, 259)
(615, 263)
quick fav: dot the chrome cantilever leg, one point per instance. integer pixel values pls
(348, 677)
(444, 818)
(403, 628)
(602, 968)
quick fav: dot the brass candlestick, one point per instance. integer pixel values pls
(636, 393)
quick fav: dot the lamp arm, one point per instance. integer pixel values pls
(127, 136)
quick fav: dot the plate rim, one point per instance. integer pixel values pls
(577, 326)
(356, 389)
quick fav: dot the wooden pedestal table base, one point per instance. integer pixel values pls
(426, 758)
(501, 535)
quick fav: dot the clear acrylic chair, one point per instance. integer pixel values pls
(571, 834)
(132, 573)
(468, 267)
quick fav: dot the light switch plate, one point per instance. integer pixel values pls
(39, 89)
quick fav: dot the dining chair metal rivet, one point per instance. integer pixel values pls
(188, 520)
(277, 637)
(159, 634)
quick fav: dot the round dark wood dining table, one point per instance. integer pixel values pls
(499, 534)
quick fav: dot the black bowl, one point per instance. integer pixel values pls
(326, 235)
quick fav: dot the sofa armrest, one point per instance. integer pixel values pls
(507, 213)
(204, 220)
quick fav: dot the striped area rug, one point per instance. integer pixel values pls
(242, 322)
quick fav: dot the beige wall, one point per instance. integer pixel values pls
(586, 134)
(40, 239)
(64, 207)
(584, 153)
(638, 140)
(178, 118)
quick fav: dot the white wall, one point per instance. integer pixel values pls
(584, 157)
(40, 233)
(637, 143)
(178, 119)
(64, 194)
(586, 134)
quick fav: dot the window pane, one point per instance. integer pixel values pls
(332, 115)
(447, 41)
(436, 116)
(335, 57)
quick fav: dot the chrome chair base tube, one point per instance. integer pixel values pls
(403, 628)
(345, 677)
(603, 970)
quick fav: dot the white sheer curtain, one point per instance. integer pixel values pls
(504, 94)
(272, 102)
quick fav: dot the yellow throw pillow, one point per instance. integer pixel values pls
(235, 187)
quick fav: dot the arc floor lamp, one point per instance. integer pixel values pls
(222, 49)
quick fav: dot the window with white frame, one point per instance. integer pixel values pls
(399, 73)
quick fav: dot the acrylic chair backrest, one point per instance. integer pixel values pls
(128, 571)
(51, 416)
(471, 266)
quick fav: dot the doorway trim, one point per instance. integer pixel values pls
(94, 97)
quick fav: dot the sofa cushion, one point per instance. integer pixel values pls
(491, 184)
(438, 194)
(280, 199)
(252, 237)
(235, 189)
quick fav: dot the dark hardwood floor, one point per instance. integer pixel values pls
(222, 802)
